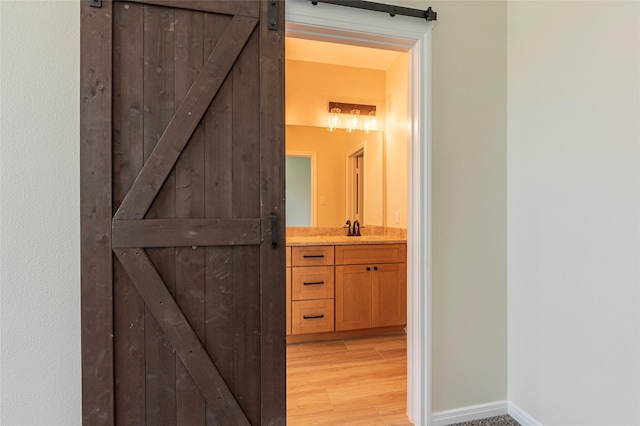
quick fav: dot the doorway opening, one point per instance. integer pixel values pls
(362, 28)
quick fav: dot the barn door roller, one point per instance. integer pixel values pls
(429, 14)
(95, 3)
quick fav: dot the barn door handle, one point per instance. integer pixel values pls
(274, 230)
(312, 316)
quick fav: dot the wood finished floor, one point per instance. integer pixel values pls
(348, 382)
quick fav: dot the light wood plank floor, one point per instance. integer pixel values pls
(348, 382)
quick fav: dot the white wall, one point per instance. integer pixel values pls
(469, 204)
(574, 211)
(39, 213)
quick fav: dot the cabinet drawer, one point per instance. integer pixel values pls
(311, 316)
(312, 256)
(313, 282)
(370, 253)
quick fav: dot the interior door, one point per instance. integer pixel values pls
(182, 212)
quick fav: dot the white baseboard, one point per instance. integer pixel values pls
(467, 414)
(521, 416)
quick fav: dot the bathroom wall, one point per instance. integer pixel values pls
(310, 86)
(397, 143)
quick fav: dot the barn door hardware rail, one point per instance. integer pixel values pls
(429, 14)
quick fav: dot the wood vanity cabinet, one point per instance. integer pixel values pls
(345, 287)
(370, 286)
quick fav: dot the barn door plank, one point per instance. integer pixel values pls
(186, 119)
(95, 218)
(128, 159)
(246, 204)
(190, 268)
(184, 339)
(272, 262)
(220, 261)
(159, 109)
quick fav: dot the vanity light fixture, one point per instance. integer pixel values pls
(360, 117)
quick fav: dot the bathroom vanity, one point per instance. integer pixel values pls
(345, 287)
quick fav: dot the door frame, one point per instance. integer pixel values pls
(338, 24)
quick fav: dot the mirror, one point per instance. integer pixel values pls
(326, 186)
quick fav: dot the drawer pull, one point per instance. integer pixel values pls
(313, 283)
(307, 256)
(312, 316)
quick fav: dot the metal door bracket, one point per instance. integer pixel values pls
(273, 15)
(95, 3)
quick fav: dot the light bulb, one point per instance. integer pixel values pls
(372, 120)
(334, 118)
(354, 120)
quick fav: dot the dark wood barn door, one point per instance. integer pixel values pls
(182, 158)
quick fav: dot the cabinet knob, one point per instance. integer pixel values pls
(368, 268)
(375, 268)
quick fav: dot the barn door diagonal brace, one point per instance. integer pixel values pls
(429, 14)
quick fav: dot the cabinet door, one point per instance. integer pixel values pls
(353, 297)
(389, 295)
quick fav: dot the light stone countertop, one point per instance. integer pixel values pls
(330, 240)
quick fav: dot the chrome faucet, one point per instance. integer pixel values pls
(348, 226)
